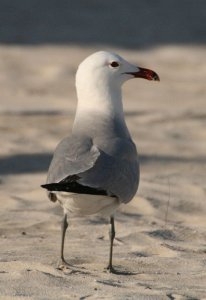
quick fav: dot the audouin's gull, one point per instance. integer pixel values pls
(96, 169)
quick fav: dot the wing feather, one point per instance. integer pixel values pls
(72, 156)
(115, 173)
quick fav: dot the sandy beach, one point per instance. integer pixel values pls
(160, 245)
(161, 237)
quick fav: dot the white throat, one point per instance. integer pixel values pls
(101, 100)
(99, 109)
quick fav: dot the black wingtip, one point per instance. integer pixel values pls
(44, 186)
(73, 187)
(55, 187)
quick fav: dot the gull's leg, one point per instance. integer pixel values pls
(112, 236)
(63, 263)
(63, 232)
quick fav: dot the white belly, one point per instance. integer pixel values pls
(84, 204)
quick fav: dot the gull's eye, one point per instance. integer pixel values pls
(114, 64)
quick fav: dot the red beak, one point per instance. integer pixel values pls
(145, 73)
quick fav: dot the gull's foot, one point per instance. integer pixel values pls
(68, 268)
(110, 269)
(64, 265)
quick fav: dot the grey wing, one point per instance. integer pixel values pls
(115, 172)
(72, 156)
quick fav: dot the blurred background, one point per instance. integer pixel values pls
(125, 24)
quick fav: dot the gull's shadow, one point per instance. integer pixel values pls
(25, 163)
(122, 272)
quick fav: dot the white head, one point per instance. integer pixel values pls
(99, 79)
(110, 69)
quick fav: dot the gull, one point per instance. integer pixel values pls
(96, 169)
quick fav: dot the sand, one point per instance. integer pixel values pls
(160, 246)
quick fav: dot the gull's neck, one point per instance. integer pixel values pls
(100, 111)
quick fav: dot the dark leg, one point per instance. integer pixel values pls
(64, 228)
(112, 236)
(64, 264)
